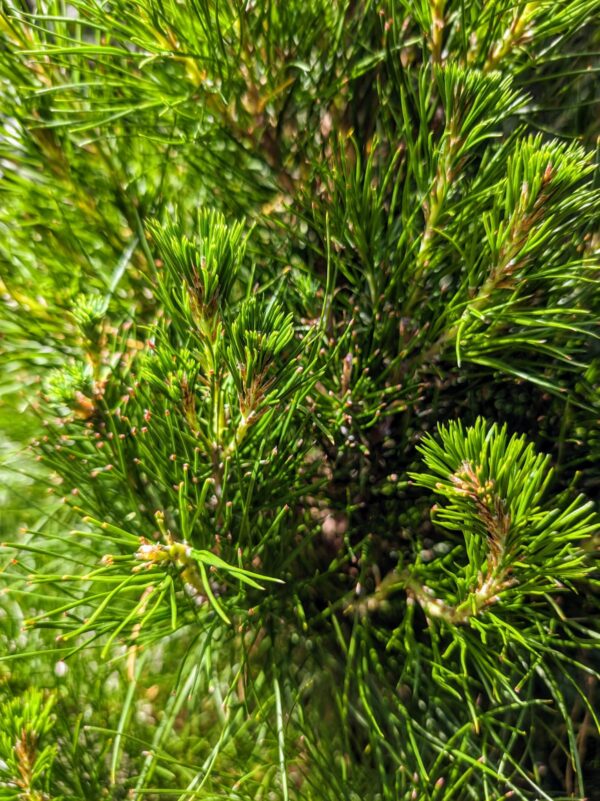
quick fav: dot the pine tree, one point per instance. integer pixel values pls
(300, 400)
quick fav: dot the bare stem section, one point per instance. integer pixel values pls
(437, 30)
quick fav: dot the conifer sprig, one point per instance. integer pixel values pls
(26, 752)
(300, 316)
(515, 543)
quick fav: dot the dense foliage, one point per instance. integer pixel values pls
(300, 410)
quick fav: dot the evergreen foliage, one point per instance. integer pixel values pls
(300, 410)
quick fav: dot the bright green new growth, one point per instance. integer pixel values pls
(26, 756)
(199, 274)
(299, 312)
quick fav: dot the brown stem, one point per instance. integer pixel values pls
(508, 262)
(437, 30)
